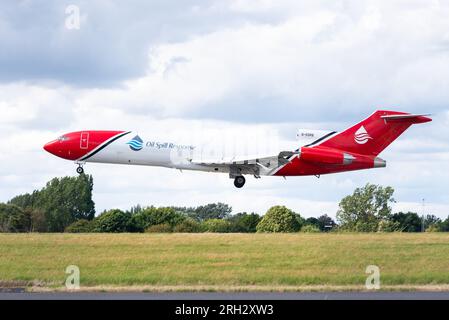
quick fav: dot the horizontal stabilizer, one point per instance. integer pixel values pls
(412, 118)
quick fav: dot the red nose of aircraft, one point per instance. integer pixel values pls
(57, 147)
(65, 146)
(52, 147)
(79, 144)
(70, 146)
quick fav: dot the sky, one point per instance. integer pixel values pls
(259, 66)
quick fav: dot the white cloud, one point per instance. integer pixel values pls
(350, 58)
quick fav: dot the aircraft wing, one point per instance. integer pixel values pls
(249, 164)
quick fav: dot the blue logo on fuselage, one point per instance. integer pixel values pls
(136, 143)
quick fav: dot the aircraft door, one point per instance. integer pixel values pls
(84, 140)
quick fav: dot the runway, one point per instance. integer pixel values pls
(18, 294)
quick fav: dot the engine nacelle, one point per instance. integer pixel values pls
(326, 156)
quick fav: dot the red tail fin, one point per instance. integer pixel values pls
(374, 134)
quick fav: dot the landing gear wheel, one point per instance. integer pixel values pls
(80, 170)
(239, 181)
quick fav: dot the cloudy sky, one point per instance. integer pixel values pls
(245, 66)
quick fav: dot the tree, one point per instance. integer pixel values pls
(279, 219)
(216, 225)
(244, 222)
(135, 209)
(325, 222)
(408, 221)
(300, 220)
(26, 200)
(322, 223)
(38, 219)
(365, 208)
(151, 216)
(114, 220)
(62, 200)
(444, 225)
(13, 219)
(432, 222)
(211, 211)
(312, 221)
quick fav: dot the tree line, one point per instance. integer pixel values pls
(66, 205)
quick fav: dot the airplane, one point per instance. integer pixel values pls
(315, 153)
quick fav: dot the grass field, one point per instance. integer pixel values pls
(225, 261)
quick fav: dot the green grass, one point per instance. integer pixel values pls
(225, 259)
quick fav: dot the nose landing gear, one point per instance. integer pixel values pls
(239, 181)
(80, 169)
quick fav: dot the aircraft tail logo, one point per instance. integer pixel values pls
(361, 136)
(136, 143)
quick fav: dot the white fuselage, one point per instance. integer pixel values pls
(211, 154)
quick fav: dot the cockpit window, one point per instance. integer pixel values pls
(63, 138)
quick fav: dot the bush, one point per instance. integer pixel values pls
(388, 226)
(216, 225)
(312, 221)
(160, 228)
(114, 220)
(309, 228)
(243, 222)
(433, 228)
(153, 216)
(189, 225)
(279, 219)
(81, 226)
(369, 225)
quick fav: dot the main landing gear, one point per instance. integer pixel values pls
(239, 181)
